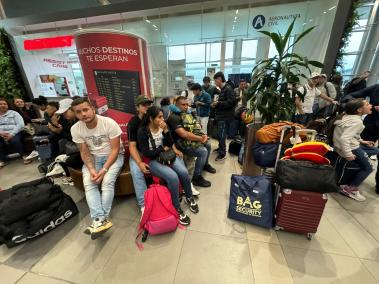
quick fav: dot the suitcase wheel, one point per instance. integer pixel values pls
(309, 236)
(277, 228)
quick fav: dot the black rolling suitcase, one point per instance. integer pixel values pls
(235, 147)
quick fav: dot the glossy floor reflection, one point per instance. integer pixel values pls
(214, 249)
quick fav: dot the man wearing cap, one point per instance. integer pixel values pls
(62, 121)
(304, 113)
(328, 89)
(60, 125)
(138, 168)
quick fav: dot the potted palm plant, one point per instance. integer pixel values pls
(273, 86)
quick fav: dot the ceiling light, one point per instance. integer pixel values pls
(331, 8)
(104, 2)
(147, 21)
(155, 26)
(324, 12)
(237, 11)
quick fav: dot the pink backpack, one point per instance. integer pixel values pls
(159, 216)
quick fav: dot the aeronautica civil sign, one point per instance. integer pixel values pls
(259, 21)
(277, 18)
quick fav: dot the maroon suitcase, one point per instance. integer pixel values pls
(299, 211)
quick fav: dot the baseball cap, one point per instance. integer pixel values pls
(141, 100)
(315, 75)
(64, 105)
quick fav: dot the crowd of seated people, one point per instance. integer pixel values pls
(81, 139)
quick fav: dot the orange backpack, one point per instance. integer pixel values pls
(271, 133)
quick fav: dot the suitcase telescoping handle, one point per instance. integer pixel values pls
(310, 134)
(285, 129)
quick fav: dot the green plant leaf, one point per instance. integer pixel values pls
(278, 43)
(288, 33)
(303, 34)
(316, 63)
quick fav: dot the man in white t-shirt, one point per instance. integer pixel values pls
(98, 139)
(304, 113)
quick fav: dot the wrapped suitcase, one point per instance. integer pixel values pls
(299, 211)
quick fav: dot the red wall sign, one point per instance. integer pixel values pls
(116, 70)
(50, 42)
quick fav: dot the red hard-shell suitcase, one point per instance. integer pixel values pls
(299, 211)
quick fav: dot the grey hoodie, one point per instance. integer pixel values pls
(347, 134)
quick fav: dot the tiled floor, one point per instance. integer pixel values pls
(214, 249)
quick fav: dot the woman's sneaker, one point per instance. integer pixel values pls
(352, 192)
(194, 191)
(100, 227)
(183, 218)
(192, 205)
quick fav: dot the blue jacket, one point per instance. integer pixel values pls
(204, 110)
(11, 122)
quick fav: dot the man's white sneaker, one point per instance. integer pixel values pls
(194, 191)
(57, 170)
(34, 154)
(61, 158)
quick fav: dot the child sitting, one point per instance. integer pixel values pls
(347, 143)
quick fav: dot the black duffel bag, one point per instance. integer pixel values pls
(38, 223)
(26, 198)
(307, 176)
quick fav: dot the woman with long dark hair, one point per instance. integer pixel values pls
(154, 138)
(27, 112)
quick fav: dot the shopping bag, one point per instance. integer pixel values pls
(251, 200)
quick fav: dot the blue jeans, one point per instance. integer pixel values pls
(202, 153)
(16, 142)
(223, 127)
(139, 181)
(173, 175)
(371, 151)
(100, 204)
(233, 128)
(364, 164)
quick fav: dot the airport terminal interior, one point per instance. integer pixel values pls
(270, 109)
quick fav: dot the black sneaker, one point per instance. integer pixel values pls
(220, 157)
(209, 169)
(200, 181)
(183, 218)
(192, 205)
